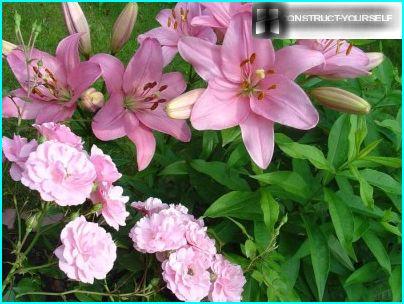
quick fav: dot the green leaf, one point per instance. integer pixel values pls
(378, 250)
(320, 255)
(296, 150)
(381, 180)
(251, 290)
(342, 220)
(365, 190)
(221, 173)
(289, 181)
(338, 141)
(132, 261)
(376, 161)
(242, 205)
(250, 249)
(384, 72)
(177, 168)
(367, 273)
(395, 283)
(270, 209)
(339, 253)
(209, 141)
(230, 135)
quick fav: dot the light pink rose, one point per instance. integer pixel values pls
(87, 251)
(149, 206)
(59, 173)
(113, 204)
(160, 231)
(9, 217)
(197, 237)
(17, 150)
(105, 167)
(186, 274)
(60, 133)
(229, 282)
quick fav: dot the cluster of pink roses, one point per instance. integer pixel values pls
(249, 83)
(61, 171)
(192, 268)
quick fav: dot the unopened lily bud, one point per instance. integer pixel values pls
(374, 60)
(341, 100)
(7, 48)
(91, 100)
(76, 22)
(123, 27)
(181, 106)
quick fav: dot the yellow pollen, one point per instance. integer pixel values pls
(260, 73)
(175, 25)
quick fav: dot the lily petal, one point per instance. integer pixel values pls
(145, 66)
(287, 104)
(239, 45)
(18, 107)
(67, 52)
(219, 107)
(294, 60)
(175, 85)
(82, 77)
(54, 112)
(112, 71)
(158, 120)
(258, 136)
(108, 123)
(203, 55)
(145, 143)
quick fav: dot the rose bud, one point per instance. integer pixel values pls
(181, 106)
(341, 100)
(7, 48)
(91, 100)
(123, 27)
(76, 22)
(374, 60)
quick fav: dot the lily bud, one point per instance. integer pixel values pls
(374, 60)
(341, 100)
(123, 27)
(7, 48)
(181, 106)
(76, 22)
(91, 100)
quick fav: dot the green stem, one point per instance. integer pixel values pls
(131, 294)
(28, 269)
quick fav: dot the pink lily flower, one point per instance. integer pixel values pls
(342, 60)
(137, 99)
(219, 14)
(251, 85)
(55, 82)
(176, 23)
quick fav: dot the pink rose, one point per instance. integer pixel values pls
(229, 282)
(186, 274)
(149, 206)
(198, 238)
(113, 204)
(17, 150)
(59, 173)
(60, 133)
(160, 231)
(87, 251)
(104, 166)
